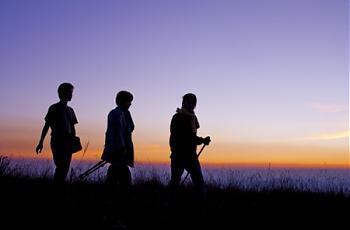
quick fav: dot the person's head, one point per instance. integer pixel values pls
(65, 91)
(124, 99)
(189, 101)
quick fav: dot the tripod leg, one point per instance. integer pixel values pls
(92, 169)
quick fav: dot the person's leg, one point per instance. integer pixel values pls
(173, 193)
(111, 196)
(194, 168)
(109, 177)
(119, 175)
(176, 173)
(198, 200)
(119, 192)
(124, 178)
(113, 180)
(62, 161)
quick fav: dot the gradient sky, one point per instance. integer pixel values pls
(271, 77)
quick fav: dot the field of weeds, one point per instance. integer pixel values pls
(35, 202)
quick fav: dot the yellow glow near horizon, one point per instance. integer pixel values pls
(331, 136)
(250, 155)
(330, 150)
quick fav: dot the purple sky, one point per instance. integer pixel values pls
(263, 71)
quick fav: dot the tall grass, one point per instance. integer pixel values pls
(4, 165)
(304, 180)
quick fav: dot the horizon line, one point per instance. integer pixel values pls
(267, 165)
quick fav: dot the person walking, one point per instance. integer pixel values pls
(119, 148)
(61, 119)
(183, 144)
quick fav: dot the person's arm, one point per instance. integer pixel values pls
(117, 135)
(39, 148)
(201, 140)
(74, 122)
(114, 142)
(172, 138)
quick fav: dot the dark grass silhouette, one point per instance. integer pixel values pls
(38, 203)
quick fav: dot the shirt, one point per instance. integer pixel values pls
(119, 135)
(61, 119)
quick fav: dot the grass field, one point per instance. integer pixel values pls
(34, 202)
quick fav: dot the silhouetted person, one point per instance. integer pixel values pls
(61, 119)
(183, 144)
(119, 148)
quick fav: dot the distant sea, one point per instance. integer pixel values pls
(252, 179)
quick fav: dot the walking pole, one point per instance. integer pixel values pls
(92, 169)
(197, 157)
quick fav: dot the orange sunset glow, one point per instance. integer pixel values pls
(272, 88)
(279, 154)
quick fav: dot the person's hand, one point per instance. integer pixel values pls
(106, 156)
(113, 156)
(206, 140)
(39, 148)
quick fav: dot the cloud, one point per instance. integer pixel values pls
(330, 136)
(320, 137)
(326, 108)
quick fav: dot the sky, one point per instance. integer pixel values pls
(271, 77)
